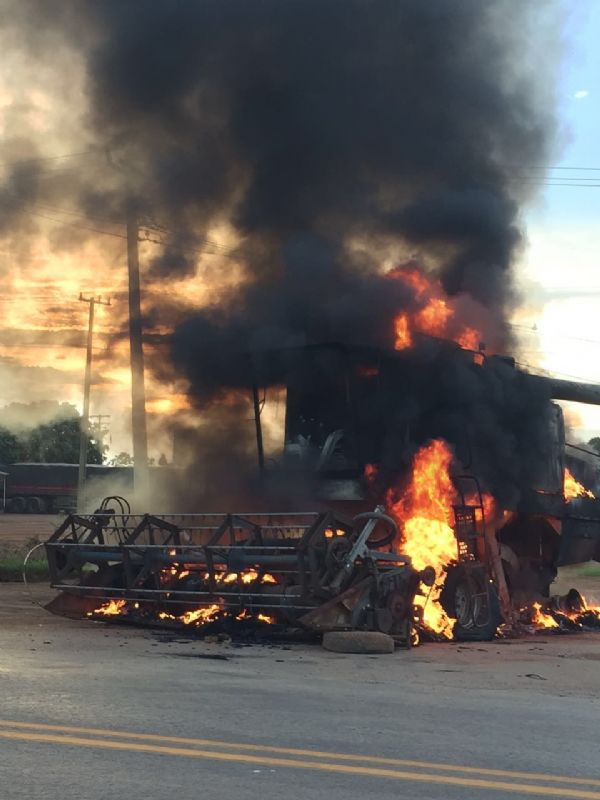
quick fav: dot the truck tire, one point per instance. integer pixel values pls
(16, 505)
(35, 505)
(361, 642)
(471, 598)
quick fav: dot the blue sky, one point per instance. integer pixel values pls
(559, 273)
(578, 95)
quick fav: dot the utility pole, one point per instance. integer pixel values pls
(97, 419)
(99, 427)
(85, 418)
(138, 389)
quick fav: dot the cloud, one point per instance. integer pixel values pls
(581, 94)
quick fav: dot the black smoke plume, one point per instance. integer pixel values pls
(391, 122)
(335, 137)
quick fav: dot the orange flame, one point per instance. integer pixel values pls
(572, 488)
(248, 576)
(424, 514)
(330, 533)
(469, 339)
(403, 335)
(196, 617)
(582, 614)
(434, 318)
(200, 615)
(586, 609)
(541, 619)
(110, 609)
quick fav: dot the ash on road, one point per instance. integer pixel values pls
(94, 711)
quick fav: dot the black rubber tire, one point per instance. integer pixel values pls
(475, 622)
(16, 505)
(35, 505)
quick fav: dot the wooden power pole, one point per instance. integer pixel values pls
(138, 389)
(85, 417)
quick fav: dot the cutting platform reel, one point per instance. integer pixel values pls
(319, 571)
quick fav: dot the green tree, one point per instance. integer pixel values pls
(11, 447)
(123, 459)
(58, 442)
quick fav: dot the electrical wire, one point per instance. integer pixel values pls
(79, 214)
(77, 225)
(555, 335)
(209, 245)
(41, 159)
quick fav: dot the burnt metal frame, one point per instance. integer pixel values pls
(84, 539)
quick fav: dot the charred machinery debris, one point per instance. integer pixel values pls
(317, 571)
(351, 567)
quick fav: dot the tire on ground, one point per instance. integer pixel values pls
(358, 642)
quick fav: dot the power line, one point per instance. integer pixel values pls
(79, 214)
(565, 182)
(75, 225)
(208, 244)
(20, 161)
(561, 167)
(221, 249)
(554, 335)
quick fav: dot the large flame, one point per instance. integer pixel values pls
(424, 513)
(435, 317)
(573, 489)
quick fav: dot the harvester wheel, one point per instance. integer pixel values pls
(361, 642)
(471, 598)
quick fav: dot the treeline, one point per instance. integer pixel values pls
(54, 441)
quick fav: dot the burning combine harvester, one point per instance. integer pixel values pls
(438, 556)
(477, 494)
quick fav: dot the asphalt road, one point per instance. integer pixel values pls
(96, 712)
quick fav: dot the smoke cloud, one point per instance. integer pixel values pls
(332, 136)
(334, 140)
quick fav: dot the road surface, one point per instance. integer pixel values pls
(93, 712)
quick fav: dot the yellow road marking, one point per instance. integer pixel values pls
(293, 751)
(376, 772)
